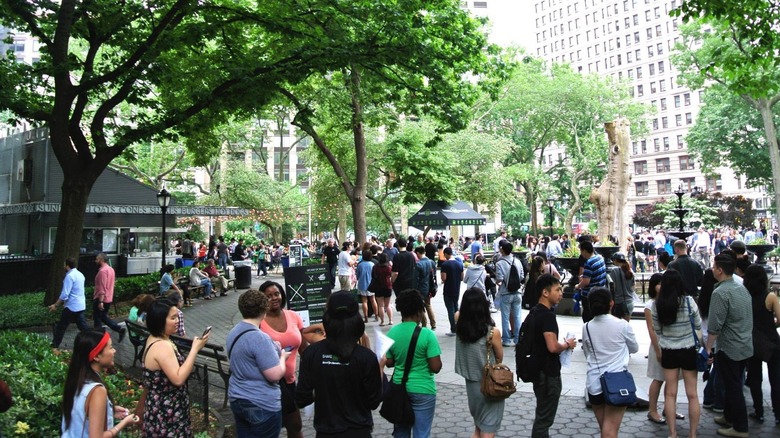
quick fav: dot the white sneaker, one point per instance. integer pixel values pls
(493, 310)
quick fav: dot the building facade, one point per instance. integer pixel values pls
(633, 40)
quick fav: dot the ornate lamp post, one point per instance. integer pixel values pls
(163, 200)
(551, 204)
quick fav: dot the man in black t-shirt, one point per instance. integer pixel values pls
(451, 277)
(403, 268)
(547, 349)
(330, 255)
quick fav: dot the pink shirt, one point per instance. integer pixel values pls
(104, 284)
(291, 337)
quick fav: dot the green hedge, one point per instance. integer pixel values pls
(27, 310)
(36, 377)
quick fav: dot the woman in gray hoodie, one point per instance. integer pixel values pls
(475, 274)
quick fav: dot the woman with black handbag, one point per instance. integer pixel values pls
(474, 327)
(607, 341)
(416, 359)
(677, 324)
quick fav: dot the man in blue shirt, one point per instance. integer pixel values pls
(594, 274)
(74, 302)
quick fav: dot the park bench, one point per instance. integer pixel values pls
(213, 356)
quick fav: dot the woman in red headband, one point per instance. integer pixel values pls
(87, 410)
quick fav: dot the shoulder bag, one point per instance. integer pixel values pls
(618, 387)
(701, 353)
(498, 382)
(396, 405)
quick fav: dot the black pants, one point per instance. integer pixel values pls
(547, 390)
(731, 373)
(101, 316)
(755, 378)
(586, 313)
(66, 319)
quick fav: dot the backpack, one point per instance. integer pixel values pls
(513, 281)
(528, 366)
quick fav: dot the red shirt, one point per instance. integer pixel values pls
(104, 284)
(211, 271)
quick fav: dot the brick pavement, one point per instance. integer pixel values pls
(452, 417)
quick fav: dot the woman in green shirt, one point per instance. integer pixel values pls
(426, 362)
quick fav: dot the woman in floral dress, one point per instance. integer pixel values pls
(165, 373)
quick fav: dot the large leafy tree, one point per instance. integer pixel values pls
(728, 132)
(422, 54)
(113, 74)
(721, 51)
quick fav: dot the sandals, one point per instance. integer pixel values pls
(659, 420)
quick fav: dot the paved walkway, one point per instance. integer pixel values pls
(452, 417)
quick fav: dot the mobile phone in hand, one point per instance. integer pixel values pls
(206, 332)
(290, 348)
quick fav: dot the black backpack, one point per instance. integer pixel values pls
(527, 365)
(513, 280)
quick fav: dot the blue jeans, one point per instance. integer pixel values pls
(66, 318)
(206, 283)
(424, 407)
(222, 261)
(255, 422)
(451, 302)
(510, 303)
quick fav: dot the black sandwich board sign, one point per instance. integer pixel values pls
(307, 288)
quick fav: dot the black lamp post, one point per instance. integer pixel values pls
(551, 205)
(163, 200)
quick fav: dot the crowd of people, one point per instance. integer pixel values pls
(723, 312)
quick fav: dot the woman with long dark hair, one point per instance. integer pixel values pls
(165, 374)
(475, 328)
(654, 369)
(672, 315)
(426, 361)
(382, 287)
(531, 295)
(87, 407)
(342, 376)
(766, 341)
(607, 341)
(623, 278)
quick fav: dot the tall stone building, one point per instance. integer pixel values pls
(633, 40)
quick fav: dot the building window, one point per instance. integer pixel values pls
(480, 5)
(638, 71)
(650, 51)
(636, 37)
(631, 73)
(629, 59)
(640, 90)
(657, 145)
(652, 86)
(666, 143)
(660, 67)
(687, 97)
(649, 33)
(677, 101)
(714, 183)
(664, 122)
(688, 118)
(686, 163)
(636, 21)
(655, 124)
(659, 48)
(662, 85)
(658, 30)
(651, 69)
(680, 143)
(662, 165)
(664, 187)
(634, 150)
(644, 146)
(678, 120)
(642, 188)
(663, 103)
(688, 183)
(640, 168)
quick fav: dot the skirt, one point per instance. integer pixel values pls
(487, 414)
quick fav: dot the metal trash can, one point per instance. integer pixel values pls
(243, 270)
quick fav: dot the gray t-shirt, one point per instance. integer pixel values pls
(253, 353)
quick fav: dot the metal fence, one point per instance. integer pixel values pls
(24, 273)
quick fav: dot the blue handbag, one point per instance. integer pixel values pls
(701, 353)
(618, 388)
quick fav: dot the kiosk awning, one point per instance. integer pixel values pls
(176, 210)
(440, 214)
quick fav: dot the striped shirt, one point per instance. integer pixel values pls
(679, 334)
(731, 319)
(597, 272)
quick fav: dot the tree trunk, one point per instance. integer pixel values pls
(770, 132)
(75, 194)
(610, 197)
(361, 160)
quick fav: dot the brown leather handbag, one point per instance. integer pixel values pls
(498, 382)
